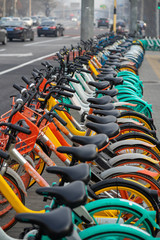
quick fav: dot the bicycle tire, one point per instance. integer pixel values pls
(7, 221)
(139, 118)
(130, 127)
(142, 149)
(114, 232)
(144, 179)
(117, 188)
(141, 137)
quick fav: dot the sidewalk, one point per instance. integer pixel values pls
(150, 75)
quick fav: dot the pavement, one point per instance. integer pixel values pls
(150, 75)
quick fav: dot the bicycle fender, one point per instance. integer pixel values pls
(128, 120)
(130, 142)
(17, 178)
(133, 156)
(114, 202)
(119, 104)
(4, 236)
(121, 169)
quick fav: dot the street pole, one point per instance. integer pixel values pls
(87, 19)
(30, 8)
(115, 16)
(134, 16)
(4, 8)
(157, 19)
(15, 8)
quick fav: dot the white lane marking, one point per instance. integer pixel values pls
(26, 63)
(16, 54)
(2, 50)
(42, 42)
(75, 37)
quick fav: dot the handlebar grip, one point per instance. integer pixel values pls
(66, 94)
(72, 106)
(25, 80)
(17, 87)
(4, 155)
(36, 70)
(60, 119)
(16, 127)
(85, 70)
(72, 79)
(66, 88)
(59, 56)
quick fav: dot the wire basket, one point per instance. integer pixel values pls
(25, 143)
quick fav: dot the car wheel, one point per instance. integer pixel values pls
(24, 38)
(32, 38)
(39, 35)
(10, 39)
(56, 34)
(4, 42)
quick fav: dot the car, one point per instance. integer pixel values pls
(35, 20)
(18, 30)
(103, 22)
(6, 19)
(28, 21)
(3, 36)
(50, 28)
(16, 19)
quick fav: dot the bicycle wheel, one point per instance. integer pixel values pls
(141, 137)
(139, 118)
(105, 211)
(114, 232)
(130, 127)
(144, 179)
(125, 189)
(7, 213)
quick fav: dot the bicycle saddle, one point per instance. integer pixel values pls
(103, 74)
(114, 113)
(112, 92)
(114, 80)
(55, 224)
(72, 195)
(108, 106)
(110, 129)
(107, 69)
(82, 153)
(79, 172)
(101, 100)
(100, 85)
(102, 119)
(100, 140)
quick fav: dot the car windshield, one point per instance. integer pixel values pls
(13, 23)
(48, 23)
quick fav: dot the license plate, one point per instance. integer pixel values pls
(9, 29)
(45, 28)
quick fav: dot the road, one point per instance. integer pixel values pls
(18, 59)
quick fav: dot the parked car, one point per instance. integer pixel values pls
(28, 21)
(3, 36)
(48, 28)
(35, 20)
(18, 30)
(6, 19)
(103, 22)
(16, 19)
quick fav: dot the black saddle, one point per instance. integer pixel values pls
(79, 172)
(108, 106)
(55, 224)
(72, 195)
(114, 113)
(109, 92)
(82, 153)
(100, 140)
(102, 119)
(110, 129)
(101, 100)
(100, 85)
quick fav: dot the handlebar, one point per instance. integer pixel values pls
(16, 127)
